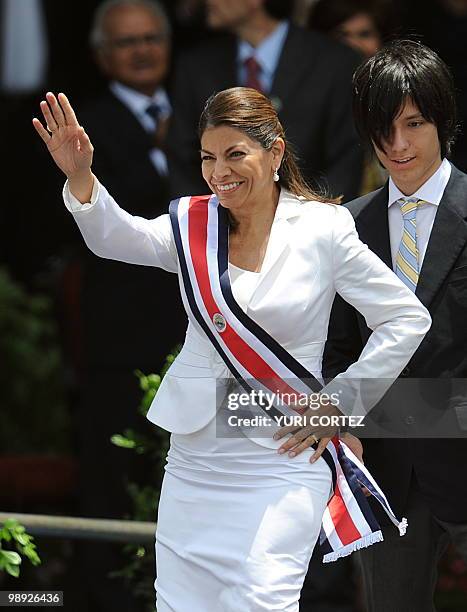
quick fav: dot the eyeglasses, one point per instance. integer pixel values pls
(130, 42)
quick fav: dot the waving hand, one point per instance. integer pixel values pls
(67, 142)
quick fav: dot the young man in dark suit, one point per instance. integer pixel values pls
(307, 76)
(404, 106)
(131, 45)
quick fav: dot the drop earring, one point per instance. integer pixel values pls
(275, 176)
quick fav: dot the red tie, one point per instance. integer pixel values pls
(252, 74)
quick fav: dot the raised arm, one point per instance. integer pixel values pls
(67, 143)
(108, 230)
(397, 318)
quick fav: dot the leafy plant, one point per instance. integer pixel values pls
(10, 560)
(145, 499)
(34, 416)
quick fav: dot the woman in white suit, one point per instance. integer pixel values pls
(238, 516)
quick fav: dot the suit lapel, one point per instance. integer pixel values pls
(277, 243)
(288, 80)
(447, 238)
(373, 226)
(279, 237)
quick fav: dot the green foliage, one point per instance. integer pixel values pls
(32, 397)
(139, 571)
(10, 560)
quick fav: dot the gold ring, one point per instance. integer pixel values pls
(315, 438)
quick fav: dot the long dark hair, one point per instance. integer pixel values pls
(252, 113)
(404, 70)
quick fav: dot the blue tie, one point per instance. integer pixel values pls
(407, 260)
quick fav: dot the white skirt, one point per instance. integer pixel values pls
(237, 524)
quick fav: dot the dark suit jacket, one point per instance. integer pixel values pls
(311, 91)
(133, 314)
(121, 157)
(442, 288)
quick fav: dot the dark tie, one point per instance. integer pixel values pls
(156, 112)
(253, 70)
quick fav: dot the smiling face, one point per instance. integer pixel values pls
(136, 48)
(238, 169)
(411, 154)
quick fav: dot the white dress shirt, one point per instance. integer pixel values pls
(137, 103)
(267, 54)
(430, 192)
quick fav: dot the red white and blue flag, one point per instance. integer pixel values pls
(201, 231)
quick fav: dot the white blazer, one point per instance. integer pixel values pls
(313, 252)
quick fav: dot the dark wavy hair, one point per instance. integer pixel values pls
(252, 113)
(404, 70)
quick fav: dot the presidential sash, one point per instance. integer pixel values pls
(201, 232)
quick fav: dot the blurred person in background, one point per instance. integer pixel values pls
(442, 25)
(306, 75)
(131, 43)
(35, 53)
(363, 25)
(357, 23)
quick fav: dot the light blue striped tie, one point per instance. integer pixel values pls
(407, 260)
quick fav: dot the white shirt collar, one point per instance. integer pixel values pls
(267, 53)
(432, 191)
(138, 102)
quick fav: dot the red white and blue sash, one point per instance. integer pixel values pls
(201, 231)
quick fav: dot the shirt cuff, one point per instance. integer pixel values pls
(73, 204)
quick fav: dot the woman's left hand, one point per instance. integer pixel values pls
(311, 433)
